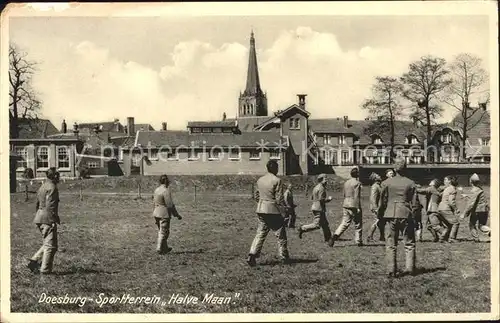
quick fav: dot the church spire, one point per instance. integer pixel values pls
(252, 102)
(253, 82)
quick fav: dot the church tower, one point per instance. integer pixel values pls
(252, 102)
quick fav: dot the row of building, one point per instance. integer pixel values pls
(243, 144)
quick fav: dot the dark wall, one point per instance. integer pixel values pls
(424, 175)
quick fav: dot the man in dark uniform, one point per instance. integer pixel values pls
(269, 212)
(398, 195)
(47, 219)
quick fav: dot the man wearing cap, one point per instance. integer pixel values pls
(389, 173)
(269, 209)
(398, 194)
(375, 203)
(318, 209)
(351, 209)
(477, 208)
(46, 219)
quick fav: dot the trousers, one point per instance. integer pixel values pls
(319, 222)
(378, 223)
(163, 225)
(452, 222)
(393, 227)
(436, 224)
(266, 223)
(478, 221)
(48, 250)
(348, 216)
(290, 217)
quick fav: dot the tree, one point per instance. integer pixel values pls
(24, 102)
(424, 81)
(384, 107)
(467, 80)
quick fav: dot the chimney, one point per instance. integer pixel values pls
(302, 101)
(164, 126)
(75, 129)
(64, 127)
(483, 106)
(224, 116)
(117, 125)
(346, 122)
(130, 126)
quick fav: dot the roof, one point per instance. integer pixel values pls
(253, 83)
(480, 129)
(180, 138)
(143, 126)
(106, 125)
(283, 113)
(247, 124)
(123, 141)
(35, 128)
(225, 123)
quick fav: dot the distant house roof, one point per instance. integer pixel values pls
(123, 141)
(201, 124)
(104, 126)
(184, 138)
(35, 128)
(247, 124)
(143, 126)
(480, 129)
(282, 113)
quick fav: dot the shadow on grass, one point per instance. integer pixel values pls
(291, 262)
(188, 252)
(423, 270)
(80, 271)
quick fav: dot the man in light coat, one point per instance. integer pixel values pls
(318, 209)
(477, 209)
(375, 204)
(398, 195)
(47, 219)
(435, 223)
(351, 209)
(448, 208)
(164, 209)
(269, 211)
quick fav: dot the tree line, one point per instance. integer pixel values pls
(422, 92)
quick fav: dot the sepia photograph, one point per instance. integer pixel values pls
(249, 161)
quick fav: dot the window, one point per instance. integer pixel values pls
(196, 129)
(120, 155)
(62, 157)
(484, 141)
(274, 154)
(214, 154)
(234, 154)
(446, 138)
(328, 140)
(153, 155)
(22, 152)
(206, 130)
(42, 158)
(226, 130)
(377, 140)
(294, 123)
(254, 154)
(193, 155)
(172, 155)
(93, 164)
(216, 130)
(411, 140)
(341, 140)
(136, 159)
(329, 157)
(345, 157)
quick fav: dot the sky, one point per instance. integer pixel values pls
(179, 68)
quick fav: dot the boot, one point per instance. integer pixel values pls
(454, 232)
(435, 237)
(251, 260)
(332, 240)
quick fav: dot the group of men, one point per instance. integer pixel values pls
(395, 206)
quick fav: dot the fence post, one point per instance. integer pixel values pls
(195, 193)
(26, 197)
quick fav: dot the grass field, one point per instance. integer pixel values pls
(107, 246)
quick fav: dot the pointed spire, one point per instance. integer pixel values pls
(253, 82)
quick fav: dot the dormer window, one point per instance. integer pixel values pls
(484, 141)
(446, 138)
(411, 139)
(295, 123)
(376, 140)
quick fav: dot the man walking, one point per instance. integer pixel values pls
(434, 221)
(270, 203)
(318, 209)
(375, 204)
(351, 209)
(290, 206)
(448, 208)
(398, 194)
(477, 208)
(47, 219)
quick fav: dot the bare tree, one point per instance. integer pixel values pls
(384, 107)
(468, 80)
(424, 81)
(24, 102)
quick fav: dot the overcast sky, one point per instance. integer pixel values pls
(177, 69)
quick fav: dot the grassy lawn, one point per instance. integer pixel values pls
(107, 246)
